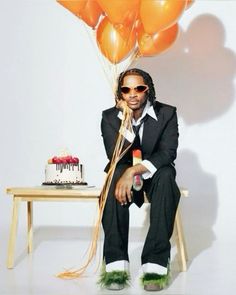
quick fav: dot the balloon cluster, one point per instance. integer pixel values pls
(147, 27)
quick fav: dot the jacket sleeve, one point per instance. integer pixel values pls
(109, 135)
(165, 150)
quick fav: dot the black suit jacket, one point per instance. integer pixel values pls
(160, 137)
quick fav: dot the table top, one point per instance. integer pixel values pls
(44, 190)
(73, 191)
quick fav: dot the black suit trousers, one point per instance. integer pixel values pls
(163, 195)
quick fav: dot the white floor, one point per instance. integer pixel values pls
(56, 248)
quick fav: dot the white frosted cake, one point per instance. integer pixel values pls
(64, 170)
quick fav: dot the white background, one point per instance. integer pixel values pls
(53, 90)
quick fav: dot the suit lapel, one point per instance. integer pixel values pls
(151, 132)
(116, 122)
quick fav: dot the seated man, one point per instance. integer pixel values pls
(157, 136)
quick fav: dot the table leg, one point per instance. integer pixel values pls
(30, 225)
(180, 241)
(13, 232)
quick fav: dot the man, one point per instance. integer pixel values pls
(157, 137)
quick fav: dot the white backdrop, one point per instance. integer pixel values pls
(53, 91)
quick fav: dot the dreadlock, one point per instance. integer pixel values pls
(151, 95)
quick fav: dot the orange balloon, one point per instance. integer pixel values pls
(74, 6)
(124, 29)
(120, 11)
(150, 45)
(158, 15)
(91, 13)
(114, 46)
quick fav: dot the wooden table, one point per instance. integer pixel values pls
(81, 193)
(41, 193)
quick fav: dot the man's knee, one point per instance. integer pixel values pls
(163, 183)
(164, 174)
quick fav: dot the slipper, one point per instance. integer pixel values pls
(114, 280)
(154, 281)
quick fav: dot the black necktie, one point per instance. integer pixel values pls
(138, 197)
(136, 128)
(137, 142)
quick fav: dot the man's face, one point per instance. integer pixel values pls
(134, 92)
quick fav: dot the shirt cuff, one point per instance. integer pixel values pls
(151, 169)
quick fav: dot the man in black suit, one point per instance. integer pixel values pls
(157, 137)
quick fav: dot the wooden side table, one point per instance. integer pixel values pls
(50, 194)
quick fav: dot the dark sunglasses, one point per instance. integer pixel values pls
(137, 89)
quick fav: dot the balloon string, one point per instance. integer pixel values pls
(99, 55)
(135, 54)
(117, 155)
(111, 70)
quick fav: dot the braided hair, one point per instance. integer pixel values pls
(151, 95)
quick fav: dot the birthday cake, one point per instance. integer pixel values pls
(64, 170)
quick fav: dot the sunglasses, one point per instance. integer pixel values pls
(137, 89)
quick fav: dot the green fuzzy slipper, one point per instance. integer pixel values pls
(114, 280)
(154, 281)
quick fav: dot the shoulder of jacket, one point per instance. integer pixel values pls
(111, 112)
(164, 108)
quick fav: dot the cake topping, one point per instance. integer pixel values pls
(63, 160)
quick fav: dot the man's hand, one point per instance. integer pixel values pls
(120, 104)
(123, 187)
